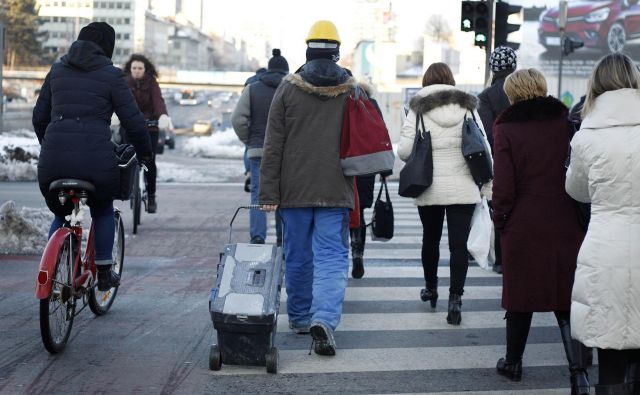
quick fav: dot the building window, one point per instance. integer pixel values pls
(111, 5)
(63, 4)
(119, 5)
(126, 36)
(127, 6)
(118, 36)
(126, 52)
(127, 21)
(55, 19)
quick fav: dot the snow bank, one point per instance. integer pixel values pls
(223, 144)
(220, 171)
(23, 231)
(19, 152)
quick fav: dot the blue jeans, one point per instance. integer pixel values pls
(104, 227)
(316, 248)
(257, 218)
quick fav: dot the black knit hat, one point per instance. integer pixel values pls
(503, 59)
(323, 49)
(100, 33)
(278, 62)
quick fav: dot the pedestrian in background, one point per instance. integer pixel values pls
(536, 218)
(493, 101)
(302, 175)
(249, 121)
(71, 119)
(142, 79)
(245, 157)
(605, 171)
(443, 108)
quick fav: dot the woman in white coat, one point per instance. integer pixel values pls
(605, 171)
(453, 191)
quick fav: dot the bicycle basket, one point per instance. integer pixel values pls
(128, 165)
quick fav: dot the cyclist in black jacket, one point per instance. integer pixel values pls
(71, 119)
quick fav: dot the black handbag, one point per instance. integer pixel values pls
(475, 151)
(417, 174)
(382, 218)
(128, 166)
(583, 210)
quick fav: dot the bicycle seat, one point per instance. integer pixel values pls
(72, 183)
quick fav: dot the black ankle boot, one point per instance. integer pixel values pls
(577, 367)
(152, 206)
(358, 265)
(107, 278)
(454, 317)
(512, 371)
(430, 294)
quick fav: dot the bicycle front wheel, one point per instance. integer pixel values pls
(100, 302)
(58, 310)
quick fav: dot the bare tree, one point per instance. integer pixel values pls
(438, 29)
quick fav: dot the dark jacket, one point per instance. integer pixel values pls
(72, 116)
(249, 118)
(301, 161)
(492, 102)
(537, 220)
(148, 96)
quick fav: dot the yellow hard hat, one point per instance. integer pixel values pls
(323, 30)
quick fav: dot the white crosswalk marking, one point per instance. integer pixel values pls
(386, 330)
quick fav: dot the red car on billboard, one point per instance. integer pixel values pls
(607, 25)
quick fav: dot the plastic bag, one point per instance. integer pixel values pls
(480, 243)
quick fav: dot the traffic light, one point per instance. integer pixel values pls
(475, 18)
(468, 15)
(503, 27)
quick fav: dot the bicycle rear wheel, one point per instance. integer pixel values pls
(137, 200)
(100, 302)
(58, 310)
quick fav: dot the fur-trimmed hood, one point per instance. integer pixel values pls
(536, 109)
(327, 91)
(444, 104)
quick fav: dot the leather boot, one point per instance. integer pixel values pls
(512, 371)
(577, 367)
(430, 294)
(612, 389)
(152, 206)
(454, 317)
(357, 250)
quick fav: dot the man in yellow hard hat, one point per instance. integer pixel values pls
(301, 174)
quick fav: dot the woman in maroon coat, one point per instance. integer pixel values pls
(536, 218)
(141, 77)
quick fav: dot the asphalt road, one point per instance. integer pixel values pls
(155, 339)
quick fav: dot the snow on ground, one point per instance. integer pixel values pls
(19, 152)
(23, 231)
(191, 162)
(223, 144)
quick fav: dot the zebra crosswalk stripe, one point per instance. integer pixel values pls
(388, 332)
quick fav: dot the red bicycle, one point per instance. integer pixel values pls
(68, 268)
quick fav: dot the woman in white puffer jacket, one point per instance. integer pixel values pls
(605, 171)
(443, 108)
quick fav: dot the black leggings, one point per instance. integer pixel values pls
(459, 224)
(613, 364)
(518, 325)
(152, 172)
(359, 235)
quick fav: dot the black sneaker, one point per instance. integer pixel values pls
(323, 341)
(108, 279)
(358, 266)
(257, 240)
(299, 329)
